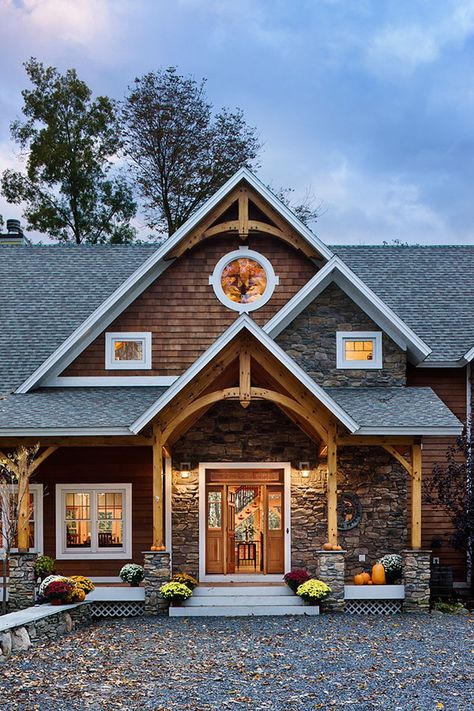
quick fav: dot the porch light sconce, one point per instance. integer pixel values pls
(304, 470)
(185, 467)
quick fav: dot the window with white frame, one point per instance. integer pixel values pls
(93, 521)
(35, 520)
(128, 351)
(243, 280)
(359, 349)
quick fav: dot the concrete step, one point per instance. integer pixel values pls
(242, 611)
(242, 590)
(241, 600)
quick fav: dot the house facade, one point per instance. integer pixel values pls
(230, 401)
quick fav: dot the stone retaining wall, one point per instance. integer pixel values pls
(20, 638)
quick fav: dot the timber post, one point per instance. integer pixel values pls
(158, 532)
(332, 484)
(416, 496)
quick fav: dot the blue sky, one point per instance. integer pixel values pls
(366, 103)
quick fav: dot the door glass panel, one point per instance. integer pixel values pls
(214, 509)
(78, 520)
(274, 511)
(109, 519)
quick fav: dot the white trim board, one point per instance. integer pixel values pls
(64, 431)
(339, 273)
(244, 322)
(433, 431)
(203, 467)
(111, 381)
(151, 269)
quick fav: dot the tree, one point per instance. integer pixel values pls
(181, 150)
(16, 470)
(307, 211)
(451, 487)
(69, 188)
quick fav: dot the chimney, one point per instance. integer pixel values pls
(14, 234)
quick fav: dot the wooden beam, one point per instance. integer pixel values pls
(400, 458)
(332, 483)
(243, 213)
(373, 440)
(42, 457)
(416, 496)
(158, 532)
(310, 415)
(244, 377)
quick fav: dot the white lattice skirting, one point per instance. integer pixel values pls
(125, 608)
(373, 607)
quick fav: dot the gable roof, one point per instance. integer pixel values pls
(46, 292)
(336, 271)
(147, 272)
(431, 288)
(243, 322)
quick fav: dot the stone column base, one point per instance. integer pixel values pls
(331, 570)
(22, 579)
(157, 571)
(416, 578)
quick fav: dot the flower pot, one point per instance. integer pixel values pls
(57, 601)
(134, 585)
(312, 601)
(177, 603)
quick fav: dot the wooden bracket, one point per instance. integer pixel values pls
(243, 214)
(408, 466)
(244, 377)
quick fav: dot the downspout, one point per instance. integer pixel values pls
(469, 482)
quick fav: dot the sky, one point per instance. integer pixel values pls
(367, 104)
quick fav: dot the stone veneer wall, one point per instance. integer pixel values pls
(230, 433)
(22, 580)
(156, 572)
(311, 340)
(21, 638)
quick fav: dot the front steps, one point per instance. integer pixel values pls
(242, 601)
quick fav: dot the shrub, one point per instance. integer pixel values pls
(296, 578)
(186, 579)
(175, 592)
(132, 573)
(44, 566)
(313, 591)
(76, 595)
(46, 582)
(83, 583)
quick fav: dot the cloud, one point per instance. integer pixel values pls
(404, 46)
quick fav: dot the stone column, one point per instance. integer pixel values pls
(331, 570)
(416, 578)
(157, 572)
(21, 588)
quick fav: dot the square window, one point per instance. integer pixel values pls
(359, 349)
(128, 351)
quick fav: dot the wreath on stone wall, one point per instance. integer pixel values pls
(349, 511)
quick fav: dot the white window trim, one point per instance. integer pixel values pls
(375, 363)
(144, 364)
(62, 552)
(215, 279)
(37, 491)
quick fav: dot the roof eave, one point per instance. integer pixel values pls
(445, 431)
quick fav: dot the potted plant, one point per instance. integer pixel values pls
(44, 566)
(313, 591)
(133, 574)
(83, 583)
(296, 578)
(393, 567)
(175, 592)
(186, 579)
(57, 592)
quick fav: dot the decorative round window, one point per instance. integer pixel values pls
(349, 511)
(243, 280)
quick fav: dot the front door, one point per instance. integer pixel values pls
(245, 524)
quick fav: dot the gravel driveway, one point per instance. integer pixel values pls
(332, 662)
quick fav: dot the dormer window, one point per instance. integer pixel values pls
(128, 351)
(359, 349)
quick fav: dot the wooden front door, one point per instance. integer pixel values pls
(275, 529)
(245, 524)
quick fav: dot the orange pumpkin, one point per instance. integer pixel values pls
(327, 547)
(358, 579)
(369, 582)
(378, 574)
(154, 548)
(337, 548)
(366, 578)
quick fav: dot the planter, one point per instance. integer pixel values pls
(177, 603)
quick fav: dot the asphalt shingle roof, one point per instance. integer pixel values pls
(46, 292)
(394, 407)
(431, 288)
(77, 407)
